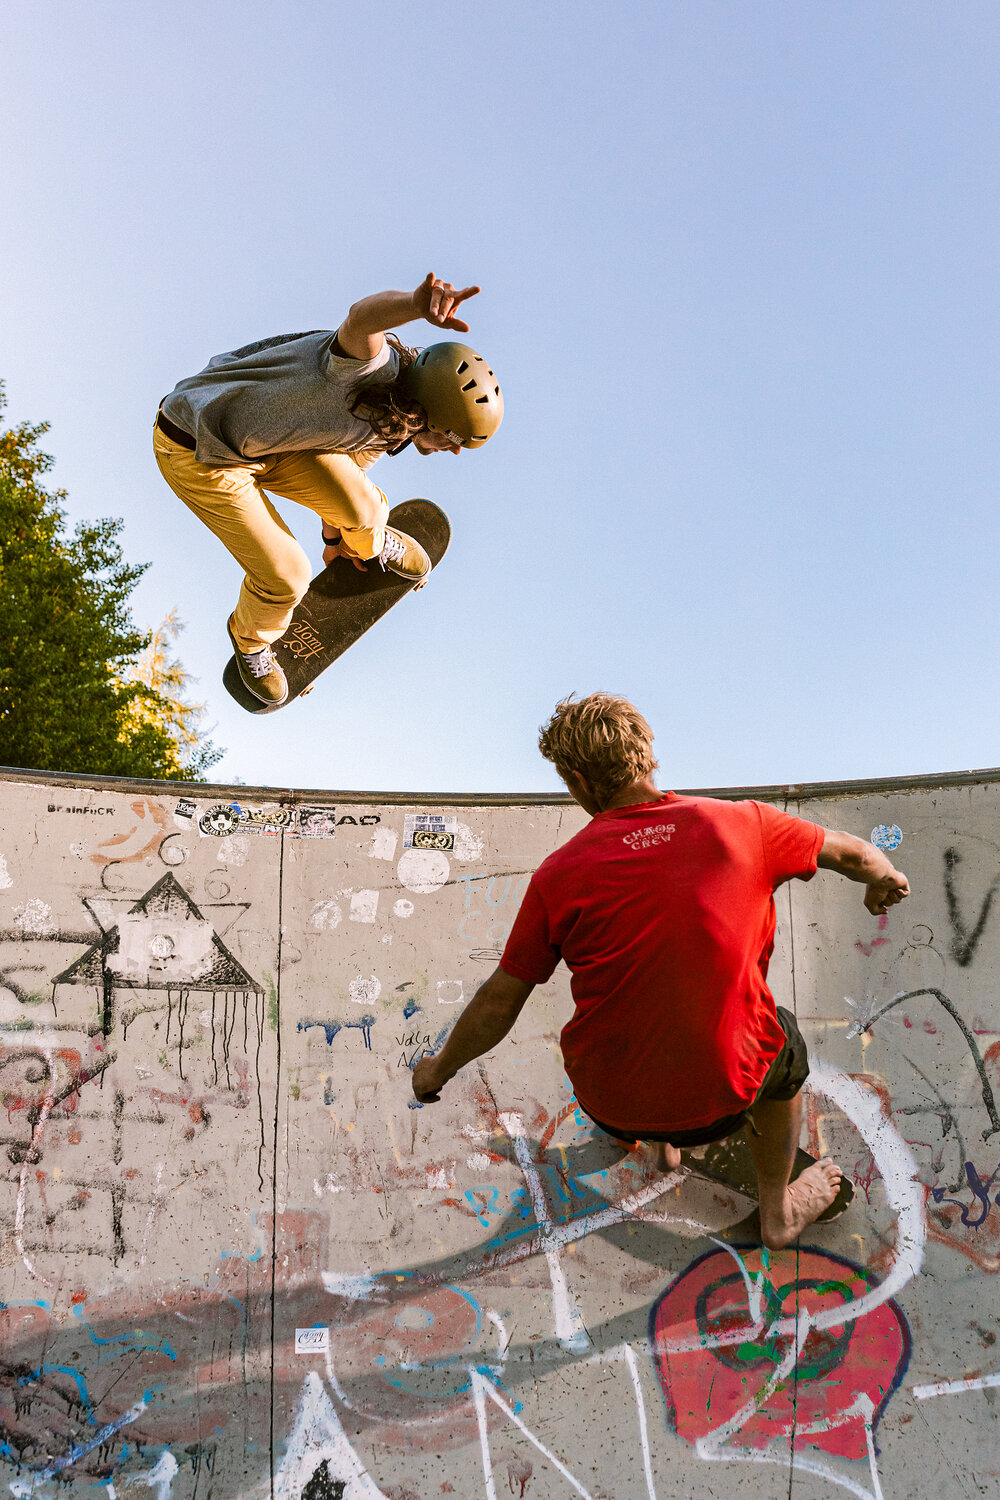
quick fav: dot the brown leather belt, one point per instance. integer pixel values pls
(175, 433)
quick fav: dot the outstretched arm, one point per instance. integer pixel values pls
(361, 332)
(861, 861)
(484, 1022)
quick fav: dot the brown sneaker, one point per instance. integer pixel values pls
(259, 672)
(402, 555)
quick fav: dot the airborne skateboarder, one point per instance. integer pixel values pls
(663, 909)
(304, 416)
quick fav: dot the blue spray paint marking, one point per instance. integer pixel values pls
(363, 1024)
(410, 1008)
(432, 1050)
(127, 1340)
(74, 1375)
(493, 1372)
(487, 1197)
(981, 1195)
(887, 836)
(79, 1450)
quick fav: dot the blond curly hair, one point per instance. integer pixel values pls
(602, 737)
(392, 415)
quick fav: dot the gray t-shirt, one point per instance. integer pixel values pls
(281, 395)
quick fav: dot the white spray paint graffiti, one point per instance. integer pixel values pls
(319, 1438)
(34, 918)
(469, 846)
(955, 1387)
(162, 948)
(481, 1388)
(364, 991)
(568, 1323)
(383, 844)
(160, 1477)
(324, 916)
(233, 851)
(450, 992)
(364, 906)
(423, 870)
(895, 1163)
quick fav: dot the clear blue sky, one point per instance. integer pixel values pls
(740, 285)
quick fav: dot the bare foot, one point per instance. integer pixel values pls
(661, 1155)
(805, 1200)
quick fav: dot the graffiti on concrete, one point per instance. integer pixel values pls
(238, 1262)
(965, 939)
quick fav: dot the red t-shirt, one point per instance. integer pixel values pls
(664, 913)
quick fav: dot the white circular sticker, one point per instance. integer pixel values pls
(423, 870)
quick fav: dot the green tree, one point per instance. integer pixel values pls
(81, 688)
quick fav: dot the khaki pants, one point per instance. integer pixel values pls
(232, 503)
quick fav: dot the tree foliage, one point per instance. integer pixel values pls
(81, 688)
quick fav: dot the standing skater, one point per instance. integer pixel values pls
(663, 909)
(305, 415)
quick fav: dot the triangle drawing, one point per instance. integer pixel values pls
(319, 1456)
(163, 942)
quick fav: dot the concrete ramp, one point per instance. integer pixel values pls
(237, 1260)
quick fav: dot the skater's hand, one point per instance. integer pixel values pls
(437, 300)
(888, 891)
(859, 860)
(339, 548)
(427, 1081)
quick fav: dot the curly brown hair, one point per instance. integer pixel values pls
(602, 737)
(392, 415)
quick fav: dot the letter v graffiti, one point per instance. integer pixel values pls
(964, 941)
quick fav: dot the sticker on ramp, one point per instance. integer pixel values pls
(429, 831)
(887, 836)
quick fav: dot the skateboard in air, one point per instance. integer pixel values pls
(340, 605)
(729, 1163)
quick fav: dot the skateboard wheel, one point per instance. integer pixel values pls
(306, 690)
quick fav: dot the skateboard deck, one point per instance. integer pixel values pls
(729, 1163)
(341, 604)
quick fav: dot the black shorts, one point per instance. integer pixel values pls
(783, 1079)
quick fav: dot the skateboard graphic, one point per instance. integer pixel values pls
(340, 605)
(730, 1164)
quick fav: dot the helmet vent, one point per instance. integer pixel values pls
(497, 389)
(481, 399)
(470, 387)
(462, 367)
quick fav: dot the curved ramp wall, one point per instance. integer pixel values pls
(237, 1260)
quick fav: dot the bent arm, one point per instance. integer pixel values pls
(361, 333)
(484, 1023)
(861, 861)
